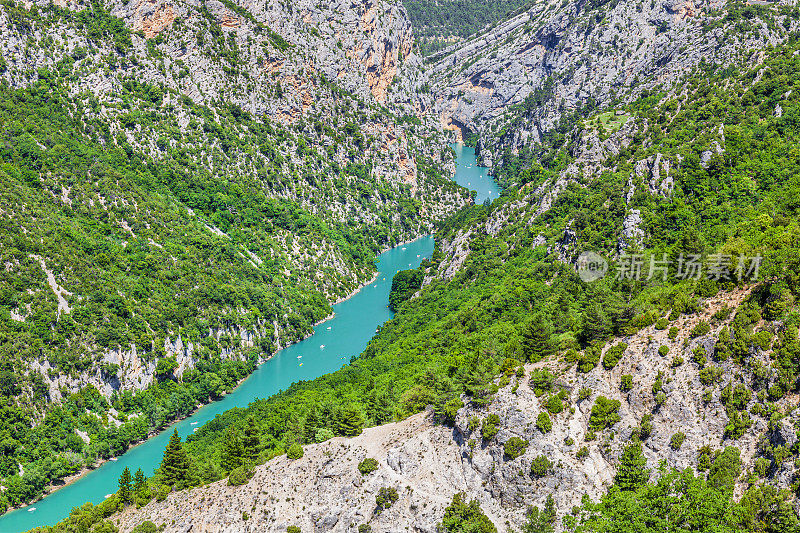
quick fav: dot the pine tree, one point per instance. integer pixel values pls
(595, 323)
(232, 450)
(125, 492)
(251, 441)
(537, 342)
(349, 422)
(175, 466)
(139, 481)
(632, 473)
(310, 425)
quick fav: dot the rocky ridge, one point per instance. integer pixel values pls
(516, 82)
(428, 463)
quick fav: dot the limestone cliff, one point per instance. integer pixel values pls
(427, 463)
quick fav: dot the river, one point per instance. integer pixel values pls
(473, 177)
(331, 346)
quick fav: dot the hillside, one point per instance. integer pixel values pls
(187, 187)
(572, 455)
(656, 140)
(439, 23)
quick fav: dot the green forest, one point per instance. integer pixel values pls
(512, 303)
(162, 219)
(439, 23)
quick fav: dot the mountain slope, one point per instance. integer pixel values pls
(518, 83)
(187, 187)
(698, 371)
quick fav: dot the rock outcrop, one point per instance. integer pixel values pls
(427, 463)
(556, 58)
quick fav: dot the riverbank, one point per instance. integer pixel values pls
(336, 339)
(77, 476)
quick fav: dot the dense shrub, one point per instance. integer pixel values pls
(514, 447)
(386, 497)
(367, 466)
(543, 422)
(295, 451)
(490, 427)
(240, 475)
(540, 466)
(604, 413)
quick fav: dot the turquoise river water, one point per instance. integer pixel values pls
(473, 177)
(331, 346)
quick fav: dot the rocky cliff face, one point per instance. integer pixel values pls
(427, 464)
(519, 80)
(309, 70)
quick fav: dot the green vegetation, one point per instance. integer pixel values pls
(613, 355)
(489, 427)
(367, 466)
(387, 496)
(541, 466)
(680, 501)
(404, 284)
(632, 473)
(604, 414)
(541, 520)
(514, 447)
(295, 451)
(176, 469)
(463, 517)
(676, 441)
(189, 211)
(611, 122)
(240, 475)
(543, 422)
(437, 23)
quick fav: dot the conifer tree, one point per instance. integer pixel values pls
(139, 481)
(349, 422)
(632, 473)
(232, 450)
(537, 342)
(175, 466)
(251, 443)
(125, 491)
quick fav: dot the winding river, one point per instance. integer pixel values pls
(473, 177)
(332, 345)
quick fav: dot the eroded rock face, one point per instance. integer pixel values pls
(150, 17)
(556, 58)
(427, 464)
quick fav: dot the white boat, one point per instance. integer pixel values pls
(113, 458)
(108, 495)
(321, 346)
(194, 423)
(32, 509)
(403, 248)
(330, 327)
(299, 356)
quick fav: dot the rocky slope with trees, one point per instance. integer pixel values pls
(667, 396)
(187, 187)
